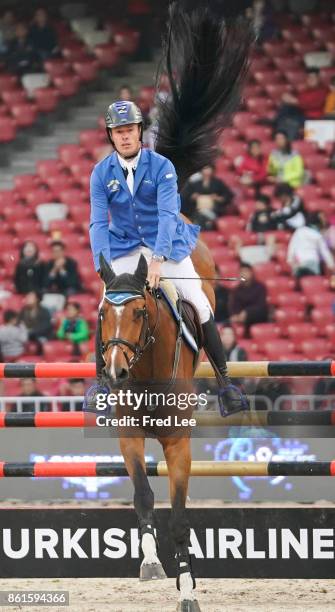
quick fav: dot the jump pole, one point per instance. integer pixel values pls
(198, 468)
(251, 369)
(261, 418)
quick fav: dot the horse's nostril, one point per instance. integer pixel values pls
(121, 374)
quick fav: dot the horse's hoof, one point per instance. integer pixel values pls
(152, 571)
(188, 605)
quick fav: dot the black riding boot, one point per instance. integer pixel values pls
(231, 398)
(100, 386)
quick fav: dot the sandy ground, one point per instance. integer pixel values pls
(130, 595)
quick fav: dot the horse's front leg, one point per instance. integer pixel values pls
(178, 457)
(133, 453)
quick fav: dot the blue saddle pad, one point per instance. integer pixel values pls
(185, 332)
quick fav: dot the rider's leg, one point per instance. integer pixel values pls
(231, 399)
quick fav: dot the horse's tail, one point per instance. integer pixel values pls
(205, 57)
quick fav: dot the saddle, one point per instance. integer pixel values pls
(184, 313)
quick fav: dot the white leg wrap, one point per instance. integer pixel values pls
(186, 587)
(148, 546)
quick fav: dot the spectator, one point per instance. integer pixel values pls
(75, 387)
(209, 198)
(329, 109)
(29, 389)
(307, 249)
(13, 336)
(291, 215)
(7, 29)
(36, 319)
(252, 167)
(247, 303)
(234, 352)
(126, 93)
(61, 272)
(261, 220)
(21, 56)
(260, 14)
(42, 36)
(307, 104)
(285, 165)
(29, 272)
(73, 327)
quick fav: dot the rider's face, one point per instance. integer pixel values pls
(127, 139)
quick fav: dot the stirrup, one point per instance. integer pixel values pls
(90, 399)
(227, 400)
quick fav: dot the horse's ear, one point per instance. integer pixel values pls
(106, 272)
(141, 271)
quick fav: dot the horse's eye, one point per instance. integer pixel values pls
(138, 312)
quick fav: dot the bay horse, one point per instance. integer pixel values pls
(138, 346)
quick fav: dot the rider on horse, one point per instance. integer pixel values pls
(138, 187)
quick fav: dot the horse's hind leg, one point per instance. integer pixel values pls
(178, 457)
(133, 453)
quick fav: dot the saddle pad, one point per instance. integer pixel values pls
(185, 332)
(117, 298)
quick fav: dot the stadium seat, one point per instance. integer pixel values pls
(71, 197)
(46, 99)
(57, 67)
(299, 332)
(295, 77)
(276, 349)
(49, 167)
(263, 332)
(7, 129)
(267, 270)
(316, 348)
(322, 315)
(311, 285)
(229, 224)
(57, 350)
(277, 48)
(24, 182)
(14, 96)
(89, 138)
(291, 298)
(326, 180)
(233, 149)
(284, 316)
(323, 204)
(262, 77)
(108, 55)
(39, 196)
(8, 82)
(241, 121)
(86, 70)
(308, 192)
(257, 132)
(67, 85)
(246, 208)
(276, 284)
(70, 153)
(59, 183)
(25, 114)
(276, 90)
(259, 105)
(322, 299)
(212, 239)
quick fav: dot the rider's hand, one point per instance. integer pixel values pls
(154, 274)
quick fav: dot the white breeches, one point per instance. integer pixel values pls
(189, 289)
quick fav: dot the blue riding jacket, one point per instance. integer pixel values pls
(120, 221)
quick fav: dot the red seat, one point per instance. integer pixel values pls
(246, 209)
(57, 67)
(308, 192)
(8, 82)
(259, 105)
(299, 332)
(46, 99)
(233, 149)
(90, 138)
(57, 350)
(263, 332)
(26, 228)
(263, 77)
(243, 237)
(59, 183)
(86, 70)
(126, 40)
(277, 348)
(322, 204)
(324, 32)
(326, 180)
(65, 227)
(221, 254)
(276, 284)
(212, 239)
(316, 348)
(49, 167)
(296, 77)
(311, 285)
(7, 129)
(70, 153)
(276, 90)
(305, 147)
(322, 299)
(322, 315)
(22, 182)
(74, 51)
(286, 62)
(257, 132)
(260, 63)
(316, 162)
(229, 224)
(67, 85)
(291, 298)
(294, 32)
(39, 196)
(241, 121)
(15, 96)
(267, 270)
(71, 197)
(287, 315)
(25, 114)
(108, 55)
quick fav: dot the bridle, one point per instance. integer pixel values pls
(147, 336)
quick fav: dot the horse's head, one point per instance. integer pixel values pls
(124, 321)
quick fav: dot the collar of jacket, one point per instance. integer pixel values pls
(140, 170)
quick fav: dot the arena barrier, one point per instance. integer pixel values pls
(198, 468)
(260, 418)
(252, 369)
